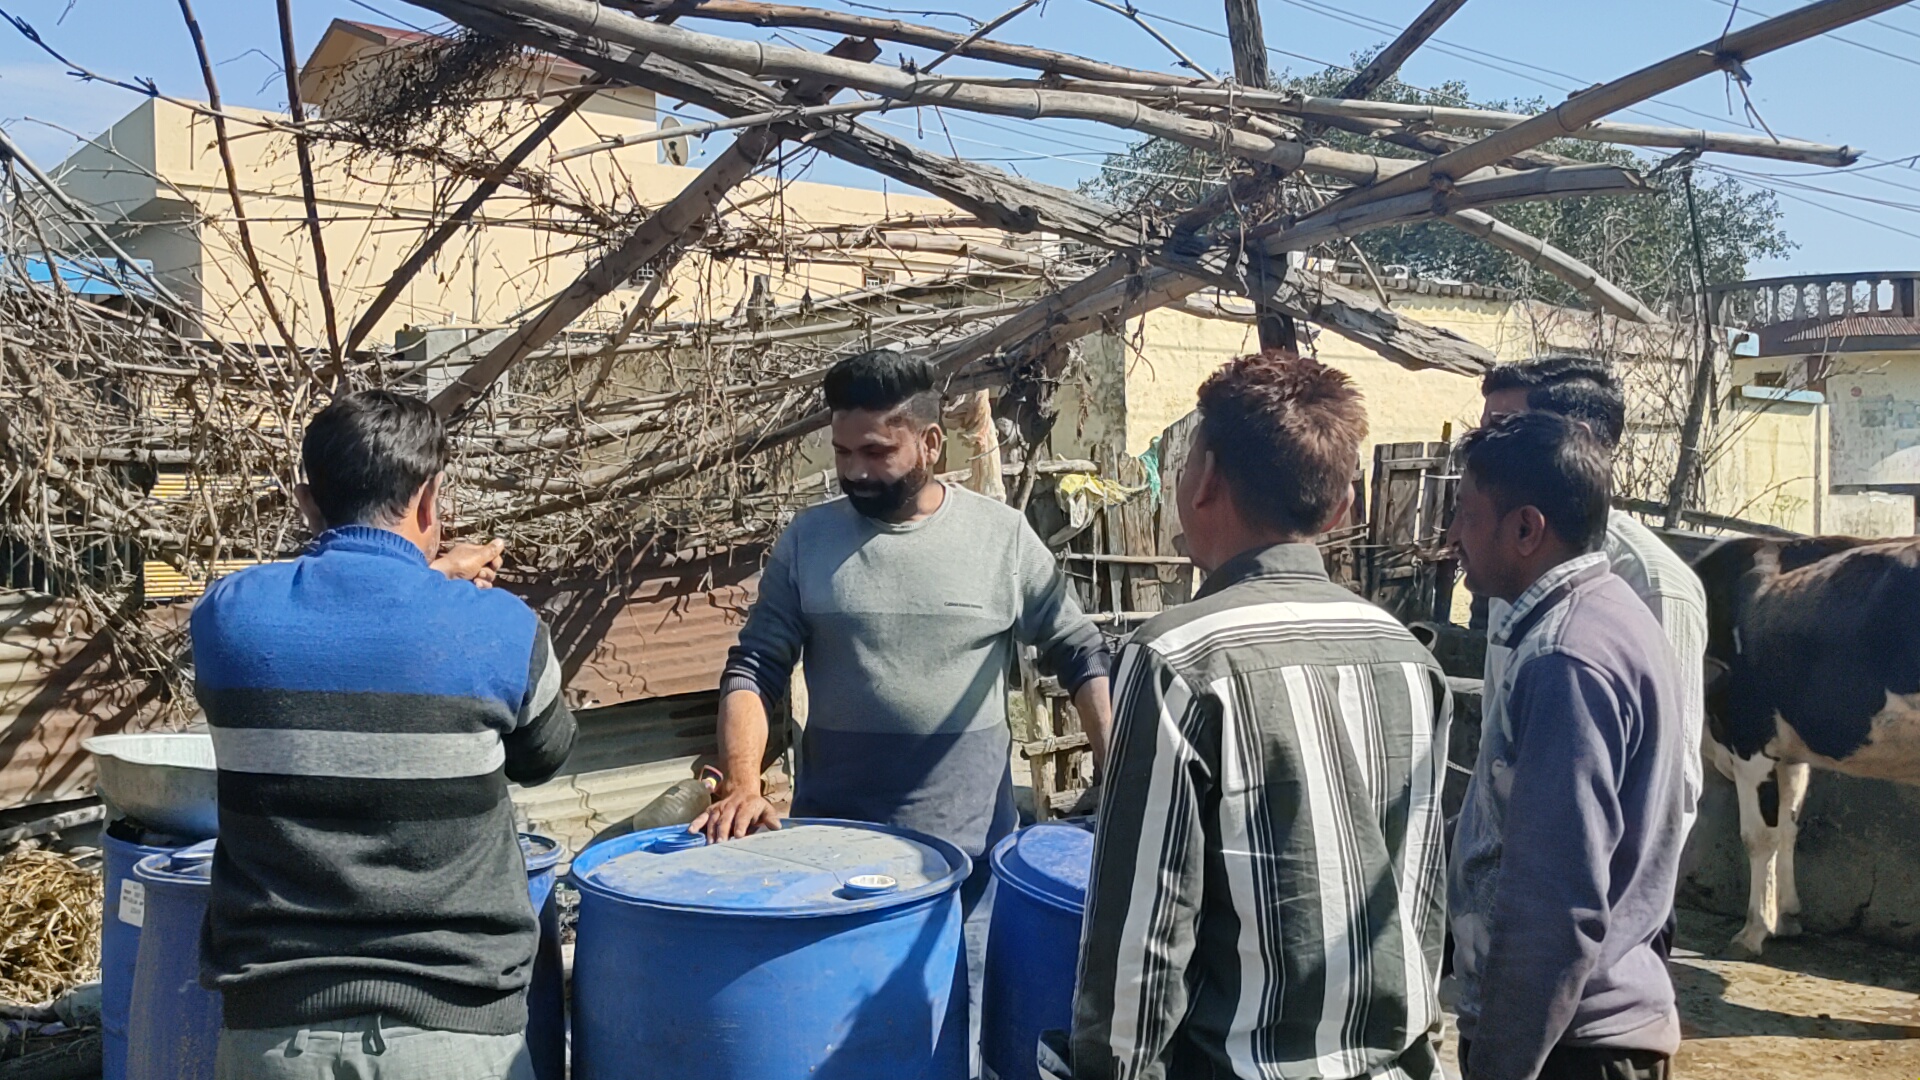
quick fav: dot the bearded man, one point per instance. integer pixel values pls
(906, 599)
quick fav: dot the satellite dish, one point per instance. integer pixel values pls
(675, 150)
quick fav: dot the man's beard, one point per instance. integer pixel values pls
(877, 499)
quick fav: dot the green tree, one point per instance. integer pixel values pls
(1642, 243)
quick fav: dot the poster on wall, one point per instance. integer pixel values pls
(1876, 428)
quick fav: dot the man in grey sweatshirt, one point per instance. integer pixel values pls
(1569, 843)
(906, 599)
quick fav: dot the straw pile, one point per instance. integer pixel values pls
(49, 925)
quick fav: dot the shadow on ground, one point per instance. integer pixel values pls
(1811, 1008)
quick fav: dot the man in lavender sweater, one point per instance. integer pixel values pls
(1569, 843)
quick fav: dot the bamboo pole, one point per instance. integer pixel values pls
(1319, 299)
(431, 244)
(225, 148)
(1274, 329)
(1334, 110)
(1574, 181)
(1015, 204)
(838, 108)
(667, 342)
(654, 237)
(997, 199)
(1386, 64)
(1537, 252)
(958, 246)
(1608, 131)
(303, 154)
(1729, 52)
(590, 22)
(925, 37)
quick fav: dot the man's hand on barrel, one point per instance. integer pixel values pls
(735, 814)
(478, 563)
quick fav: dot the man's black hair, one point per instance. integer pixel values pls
(1601, 407)
(366, 455)
(1547, 370)
(1579, 387)
(1548, 462)
(882, 381)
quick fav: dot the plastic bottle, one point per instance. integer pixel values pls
(677, 805)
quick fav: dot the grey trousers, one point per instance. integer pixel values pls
(365, 1048)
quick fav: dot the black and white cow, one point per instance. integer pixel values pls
(1813, 658)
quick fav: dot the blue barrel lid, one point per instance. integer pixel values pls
(541, 852)
(809, 867)
(1049, 862)
(191, 865)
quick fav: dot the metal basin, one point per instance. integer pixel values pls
(164, 781)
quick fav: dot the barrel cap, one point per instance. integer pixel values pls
(1049, 862)
(191, 865)
(809, 867)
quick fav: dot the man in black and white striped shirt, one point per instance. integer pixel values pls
(1267, 892)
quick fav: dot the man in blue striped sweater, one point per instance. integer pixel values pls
(369, 914)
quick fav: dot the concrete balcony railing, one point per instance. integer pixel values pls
(1817, 313)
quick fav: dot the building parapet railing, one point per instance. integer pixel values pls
(1764, 302)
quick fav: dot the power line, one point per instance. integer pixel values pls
(1859, 172)
(1742, 6)
(1892, 204)
(390, 17)
(1829, 209)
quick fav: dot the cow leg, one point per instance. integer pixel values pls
(1793, 779)
(1758, 835)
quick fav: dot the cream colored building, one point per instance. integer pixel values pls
(157, 179)
(1831, 386)
(1769, 449)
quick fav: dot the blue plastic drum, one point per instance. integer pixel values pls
(174, 1028)
(125, 909)
(1033, 943)
(826, 950)
(546, 996)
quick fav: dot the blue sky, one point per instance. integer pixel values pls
(1860, 86)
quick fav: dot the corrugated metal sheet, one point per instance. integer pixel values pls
(1857, 326)
(1845, 333)
(653, 627)
(625, 756)
(160, 581)
(58, 686)
(176, 485)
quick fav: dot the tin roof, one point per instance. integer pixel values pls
(654, 626)
(58, 686)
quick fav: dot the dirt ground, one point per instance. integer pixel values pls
(1813, 1008)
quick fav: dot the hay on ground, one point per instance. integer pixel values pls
(50, 917)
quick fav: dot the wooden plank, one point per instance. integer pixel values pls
(1176, 587)
(1054, 744)
(1137, 537)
